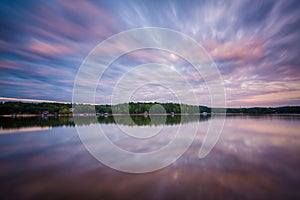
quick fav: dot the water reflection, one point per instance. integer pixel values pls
(22, 122)
(257, 157)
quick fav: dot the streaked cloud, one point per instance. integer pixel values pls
(244, 50)
(44, 48)
(255, 45)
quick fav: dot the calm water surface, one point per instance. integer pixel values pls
(256, 157)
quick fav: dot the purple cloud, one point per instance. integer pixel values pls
(254, 44)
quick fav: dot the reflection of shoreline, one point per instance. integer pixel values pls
(253, 158)
(35, 115)
(93, 114)
(133, 120)
(26, 129)
(142, 114)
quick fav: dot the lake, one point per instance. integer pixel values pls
(256, 157)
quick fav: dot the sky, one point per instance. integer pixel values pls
(254, 44)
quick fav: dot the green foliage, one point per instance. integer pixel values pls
(64, 110)
(132, 108)
(260, 110)
(31, 108)
(83, 108)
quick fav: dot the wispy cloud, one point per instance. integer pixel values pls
(255, 45)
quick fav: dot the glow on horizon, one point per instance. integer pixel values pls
(30, 100)
(8, 99)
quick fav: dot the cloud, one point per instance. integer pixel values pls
(46, 48)
(244, 49)
(9, 65)
(274, 99)
(254, 44)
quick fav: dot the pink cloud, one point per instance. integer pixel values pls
(8, 64)
(42, 70)
(268, 99)
(97, 22)
(241, 49)
(90, 11)
(18, 49)
(2, 82)
(45, 48)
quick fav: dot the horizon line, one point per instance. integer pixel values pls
(26, 100)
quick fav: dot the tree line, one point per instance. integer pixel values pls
(7, 108)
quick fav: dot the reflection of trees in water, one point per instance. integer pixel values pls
(7, 122)
(157, 120)
(134, 120)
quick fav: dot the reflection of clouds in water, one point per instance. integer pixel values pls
(162, 138)
(54, 163)
(165, 134)
(27, 129)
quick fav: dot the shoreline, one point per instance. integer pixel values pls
(142, 114)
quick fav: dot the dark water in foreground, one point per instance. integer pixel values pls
(256, 157)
